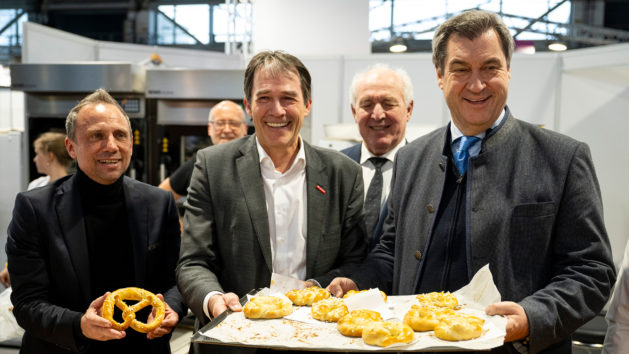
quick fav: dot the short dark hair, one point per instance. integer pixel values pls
(98, 96)
(470, 24)
(277, 62)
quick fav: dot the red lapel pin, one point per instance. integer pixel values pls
(320, 189)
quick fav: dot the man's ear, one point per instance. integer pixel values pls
(247, 107)
(71, 148)
(439, 78)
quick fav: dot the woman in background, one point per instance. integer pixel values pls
(52, 160)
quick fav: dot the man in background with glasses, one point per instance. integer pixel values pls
(226, 123)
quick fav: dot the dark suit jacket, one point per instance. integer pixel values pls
(354, 153)
(535, 216)
(226, 243)
(49, 264)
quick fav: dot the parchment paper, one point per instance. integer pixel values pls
(309, 334)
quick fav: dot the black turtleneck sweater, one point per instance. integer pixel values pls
(110, 252)
(108, 239)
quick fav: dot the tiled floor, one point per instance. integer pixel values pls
(179, 342)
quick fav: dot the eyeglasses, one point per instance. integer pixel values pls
(222, 123)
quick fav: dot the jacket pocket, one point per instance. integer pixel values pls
(534, 210)
(531, 229)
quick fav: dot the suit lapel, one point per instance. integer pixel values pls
(137, 212)
(317, 181)
(72, 224)
(248, 169)
(432, 193)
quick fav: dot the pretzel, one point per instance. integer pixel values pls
(307, 296)
(351, 325)
(459, 327)
(386, 333)
(439, 299)
(267, 307)
(329, 310)
(144, 298)
(425, 318)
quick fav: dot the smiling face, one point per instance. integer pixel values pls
(227, 122)
(278, 110)
(475, 81)
(381, 111)
(103, 144)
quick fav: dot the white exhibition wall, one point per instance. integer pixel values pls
(594, 108)
(304, 27)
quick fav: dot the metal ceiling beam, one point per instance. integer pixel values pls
(13, 21)
(539, 18)
(183, 29)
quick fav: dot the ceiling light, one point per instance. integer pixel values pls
(557, 46)
(398, 45)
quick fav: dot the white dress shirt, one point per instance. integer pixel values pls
(286, 199)
(369, 170)
(285, 195)
(474, 150)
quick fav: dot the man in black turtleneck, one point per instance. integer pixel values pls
(87, 234)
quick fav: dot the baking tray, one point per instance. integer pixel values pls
(283, 334)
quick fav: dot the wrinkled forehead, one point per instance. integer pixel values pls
(275, 70)
(102, 115)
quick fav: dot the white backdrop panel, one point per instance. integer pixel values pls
(594, 111)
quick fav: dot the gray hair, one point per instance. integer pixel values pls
(470, 24)
(277, 62)
(407, 85)
(98, 96)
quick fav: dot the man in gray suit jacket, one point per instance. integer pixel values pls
(528, 204)
(381, 100)
(269, 202)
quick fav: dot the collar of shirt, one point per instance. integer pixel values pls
(365, 154)
(455, 133)
(267, 166)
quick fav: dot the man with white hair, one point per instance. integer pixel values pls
(381, 100)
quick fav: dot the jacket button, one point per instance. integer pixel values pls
(418, 255)
(430, 208)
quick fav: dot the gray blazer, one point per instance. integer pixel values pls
(534, 215)
(226, 244)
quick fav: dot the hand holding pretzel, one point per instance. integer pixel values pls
(144, 298)
(95, 327)
(171, 318)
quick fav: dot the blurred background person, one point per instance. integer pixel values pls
(226, 123)
(51, 158)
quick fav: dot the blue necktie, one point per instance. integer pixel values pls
(462, 154)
